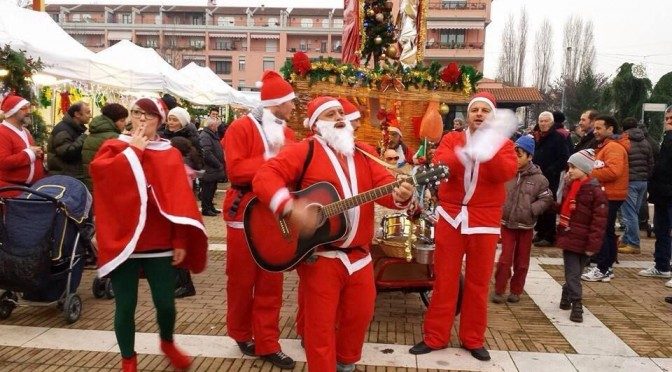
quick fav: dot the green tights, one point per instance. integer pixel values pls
(160, 275)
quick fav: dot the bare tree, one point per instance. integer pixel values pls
(521, 44)
(579, 45)
(543, 61)
(507, 60)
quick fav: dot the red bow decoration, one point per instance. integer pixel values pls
(451, 73)
(301, 63)
(387, 81)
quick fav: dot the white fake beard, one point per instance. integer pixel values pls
(340, 139)
(275, 133)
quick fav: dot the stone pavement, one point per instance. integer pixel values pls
(627, 326)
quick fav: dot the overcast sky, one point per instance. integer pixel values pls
(625, 31)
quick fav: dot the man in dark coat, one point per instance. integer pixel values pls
(66, 141)
(213, 157)
(587, 125)
(551, 156)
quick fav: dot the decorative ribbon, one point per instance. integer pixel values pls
(387, 80)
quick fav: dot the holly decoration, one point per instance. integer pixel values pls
(378, 31)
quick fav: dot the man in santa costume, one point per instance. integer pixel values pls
(351, 113)
(337, 282)
(481, 160)
(147, 222)
(254, 296)
(20, 159)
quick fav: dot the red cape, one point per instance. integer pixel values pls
(124, 178)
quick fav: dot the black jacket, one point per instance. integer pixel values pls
(189, 132)
(640, 156)
(660, 183)
(213, 155)
(551, 154)
(64, 148)
(586, 142)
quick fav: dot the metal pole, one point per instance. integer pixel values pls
(565, 74)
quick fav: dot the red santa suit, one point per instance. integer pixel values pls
(338, 287)
(470, 209)
(18, 163)
(157, 206)
(254, 296)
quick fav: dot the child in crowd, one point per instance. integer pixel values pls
(527, 196)
(193, 163)
(583, 219)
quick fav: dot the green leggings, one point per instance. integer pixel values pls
(160, 275)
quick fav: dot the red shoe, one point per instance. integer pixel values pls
(177, 357)
(130, 364)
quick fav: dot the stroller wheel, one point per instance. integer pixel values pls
(98, 288)
(109, 291)
(72, 308)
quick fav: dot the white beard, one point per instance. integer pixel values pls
(275, 132)
(340, 139)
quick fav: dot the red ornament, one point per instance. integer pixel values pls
(301, 63)
(451, 73)
(65, 102)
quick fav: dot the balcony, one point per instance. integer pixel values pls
(458, 10)
(454, 51)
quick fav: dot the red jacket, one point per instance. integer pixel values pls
(245, 151)
(18, 164)
(476, 205)
(125, 180)
(587, 222)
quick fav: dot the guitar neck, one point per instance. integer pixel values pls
(343, 205)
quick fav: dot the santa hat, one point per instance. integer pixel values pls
(274, 89)
(152, 106)
(485, 97)
(12, 104)
(351, 112)
(392, 127)
(317, 106)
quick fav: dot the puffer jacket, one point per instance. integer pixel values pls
(64, 148)
(101, 128)
(587, 222)
(213, 156)
(527, 196)
(640, 156)
(611, 166)
(660, 184)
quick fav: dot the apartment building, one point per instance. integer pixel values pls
(240, 43)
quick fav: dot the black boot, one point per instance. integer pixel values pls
(577, 312)
(184, 287)
(565, 303)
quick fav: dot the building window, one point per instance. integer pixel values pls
(197, 19)
(241, 63)
(452, 37)
(225, 21)
(323, 46)
(241, 85)
(151, 43)
(188, 60)
(325, 23)
(273, 22)
(76, 17)
(454, 4)
(338, 23)
(86, 17)
(157, 19)
(271, 45)
(269, 64)
(126, 18)
(196, 43)
(306, 22)
(223, 44)
(303, 45)
(336, 46)
(222, 66)
(172, 42)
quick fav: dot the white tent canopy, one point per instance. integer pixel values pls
(220, 92)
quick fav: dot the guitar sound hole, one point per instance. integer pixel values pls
(321, 218)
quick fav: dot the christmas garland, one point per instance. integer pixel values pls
(384, 77)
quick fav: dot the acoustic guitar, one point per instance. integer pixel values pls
(276, 245)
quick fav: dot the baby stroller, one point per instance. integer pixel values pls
(40, 249)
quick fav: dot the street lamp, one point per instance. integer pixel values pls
(565, 73)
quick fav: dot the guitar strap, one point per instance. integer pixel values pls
(306, 163)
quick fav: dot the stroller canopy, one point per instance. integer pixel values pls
(71, 192)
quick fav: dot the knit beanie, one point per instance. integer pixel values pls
(584, 160)
(181, 114)
(526, 143)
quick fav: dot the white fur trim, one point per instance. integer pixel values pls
(306, 124)
(395, 129)
(258, 84)
(353, 116)
(278, 101)
(168, 253)
(481, 99)
(180, 220)
(322, 108)
(141, 184)
(16, 108)
(279, 197)
(23, 134)
(352, 267)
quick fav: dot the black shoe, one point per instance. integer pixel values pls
(420, 348)
(186, 291)
(218, 211)
(668, 299)
(209, 213)
(280, 360)
(481, 354)
(246, 347)
(537, 238)
(565, 303)
(543, 243)
(577, 312)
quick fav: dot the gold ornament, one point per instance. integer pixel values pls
(383, 56)
(370, 13)
(392, 51)
(380, 17)
(378, 40)
(444, 109)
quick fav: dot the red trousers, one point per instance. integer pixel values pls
(451, 247)
(333, 297)
(253, 296)
(516, 249)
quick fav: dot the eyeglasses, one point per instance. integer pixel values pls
(390, 158)
(137, 114)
